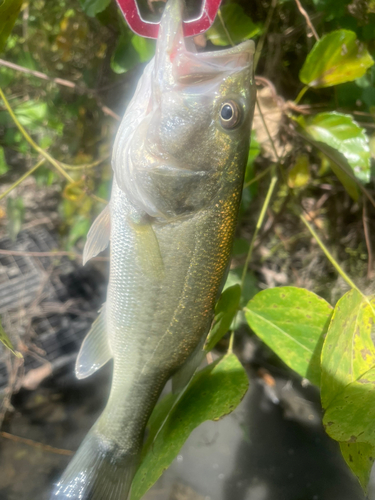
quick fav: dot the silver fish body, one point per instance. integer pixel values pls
(178, 162)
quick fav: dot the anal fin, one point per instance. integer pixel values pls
(98, 235)
(95, 350)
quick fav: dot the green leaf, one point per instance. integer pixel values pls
(348, 382)
(31, 114)
(145, 47)
(213, 392)
(225, 311)
(239, 26)
(15, 213)
(3, 164)
(360, 459)
(351, 415)
(125, 56)
(336, 58)
(292, 322)
(342, 133)
(9, 10)
(93, 7)
(8, 344)
(299, 175)
(348, 350)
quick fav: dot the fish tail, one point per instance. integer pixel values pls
(99, 470)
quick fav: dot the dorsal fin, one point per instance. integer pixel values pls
(98, 235)
(95, 350)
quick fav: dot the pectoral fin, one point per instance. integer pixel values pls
(181, 378)
(98, 235)
(148, 250)
(95, 350)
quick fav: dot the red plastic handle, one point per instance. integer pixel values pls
(150, 30)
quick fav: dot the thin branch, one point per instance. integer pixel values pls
(35, 444)
(60, 81)
(220, 16)
(22, 178)
(258, 226)
(308, 20)
(259, 48)
(33, 144)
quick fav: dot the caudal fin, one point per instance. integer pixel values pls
(99, 470)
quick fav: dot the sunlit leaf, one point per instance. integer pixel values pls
(360, 459)
(125, 56)
(93, 7)
(31, 114)
(348, 382)
(238, 24)
(337, 57)
(9, 10)
(342, 133)
(3, 164)
(292, 322)
(225, 310)
(213, 392)
(145, 47)
(299, 174)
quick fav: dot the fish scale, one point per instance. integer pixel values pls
(178, 167)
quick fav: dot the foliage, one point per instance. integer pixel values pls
(321, 101)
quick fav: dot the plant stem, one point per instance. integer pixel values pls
(301, 94)
(33, 144)
(231, 342)
(220, 16)
(262, 39)
(259, 176)
(21, 179)
(329, 256)
(259, 224)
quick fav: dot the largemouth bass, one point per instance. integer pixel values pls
(178, 161)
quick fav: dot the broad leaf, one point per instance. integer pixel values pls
(348, 350)
(9, 10)
(93, 7)
(347, 385)
(225, 311)
(213, 392)
(341, 132)
(360, 458)
(292, 322)
(15, 214)
(238, 25)
(336, 58)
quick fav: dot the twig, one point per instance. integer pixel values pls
(308, 20)
(22, 178)
(220, 16)
(33, 144)
(35, 444)
(259, 176)
(258, 51)
(61, 81)
(368, 240)
(258, 226)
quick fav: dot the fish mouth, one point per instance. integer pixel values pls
(176, 58)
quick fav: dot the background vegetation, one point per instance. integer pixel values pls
(302, 274)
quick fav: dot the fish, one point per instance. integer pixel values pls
(178, 167)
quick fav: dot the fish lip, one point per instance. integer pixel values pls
(248, 46)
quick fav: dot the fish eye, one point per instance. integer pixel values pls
(230, 114)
